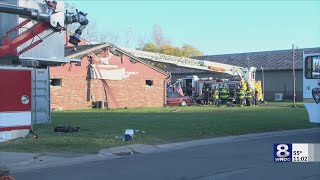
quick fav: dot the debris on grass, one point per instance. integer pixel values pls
(128, 134)
(66, 129)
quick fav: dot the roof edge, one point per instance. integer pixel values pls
(143, 62)
(303, 49)
(104, 45)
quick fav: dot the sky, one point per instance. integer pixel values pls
(214, 27)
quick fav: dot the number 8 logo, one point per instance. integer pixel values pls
(283, 151)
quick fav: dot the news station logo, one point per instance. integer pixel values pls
(282, 152)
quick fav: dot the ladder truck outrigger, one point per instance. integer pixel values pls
(236, 75)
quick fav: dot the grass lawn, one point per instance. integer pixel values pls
(99, 127)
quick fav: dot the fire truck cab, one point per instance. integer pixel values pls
(311, 86)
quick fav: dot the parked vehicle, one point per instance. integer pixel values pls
(175, 99)
(311, 89)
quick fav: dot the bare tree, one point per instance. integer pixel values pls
(157, 35)
(91, 33)
(128, 36)
(108, 37)
(142, 41)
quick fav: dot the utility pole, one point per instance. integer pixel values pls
(262, 83)
(294, 76)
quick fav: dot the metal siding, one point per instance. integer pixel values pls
(281, 82)
(41, 96)
(275, 82)
(40, 93)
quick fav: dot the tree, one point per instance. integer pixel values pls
(142, 40)
(128, 34)
(150, 47)
(107, 37)
(190, 51)
(184, 51)
(90, 33)
(157, 35)
(160, 44)
(170, 50)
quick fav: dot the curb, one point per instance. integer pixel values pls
(71, 161)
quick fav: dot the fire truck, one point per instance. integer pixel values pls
(33, 40)
(311, 86)
(193, 85)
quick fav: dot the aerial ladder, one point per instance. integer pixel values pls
(55, 19)
(243, 73)
(246, 75)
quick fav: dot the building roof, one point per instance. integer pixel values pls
(269, 60)
(83, 50)
(71, 51)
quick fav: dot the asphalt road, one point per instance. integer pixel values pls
(246, 159)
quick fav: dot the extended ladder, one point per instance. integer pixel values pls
(187, 62)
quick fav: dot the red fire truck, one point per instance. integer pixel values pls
(26, 24)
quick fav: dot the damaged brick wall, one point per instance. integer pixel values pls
(78, 92)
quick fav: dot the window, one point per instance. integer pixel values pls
(56, 82)
(149, 82)
(312, 67)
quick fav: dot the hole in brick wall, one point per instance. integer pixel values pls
(78, 63)
(149, 82)
(56, 82)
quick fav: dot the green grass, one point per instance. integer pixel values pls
(99, 127)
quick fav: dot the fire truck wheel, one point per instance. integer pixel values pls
(183, 103)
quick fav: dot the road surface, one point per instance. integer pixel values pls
(245, 159)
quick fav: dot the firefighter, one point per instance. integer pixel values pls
(249, 95)
(240, 95)
(219, 99)
(215, 95)
(206, 96)
(189, 89)
(231, 91)
(256, 98)
(224, 95)
(210, 94)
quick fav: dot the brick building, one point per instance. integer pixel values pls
(108, 75)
